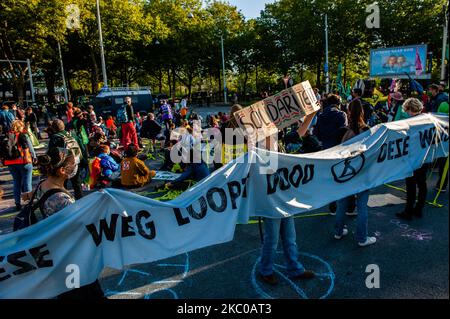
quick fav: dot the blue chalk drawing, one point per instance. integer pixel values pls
(328, 275)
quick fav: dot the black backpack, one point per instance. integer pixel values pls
(27, 217)
(9, 148)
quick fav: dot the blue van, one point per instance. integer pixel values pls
(109, 100)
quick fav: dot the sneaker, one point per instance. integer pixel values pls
(404, 216)
(344, 233)
(369, 241)
(353, 213)
(270, 279)
(333, 213)
(307, 274)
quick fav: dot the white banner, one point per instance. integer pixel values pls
(115, 228)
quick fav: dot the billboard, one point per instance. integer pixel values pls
(399, 61)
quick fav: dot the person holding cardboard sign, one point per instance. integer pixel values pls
(284, 227)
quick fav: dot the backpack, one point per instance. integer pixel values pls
(122, 116)
(27, 217)
(71, 144)
(9, 148)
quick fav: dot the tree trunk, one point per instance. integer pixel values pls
(244, 85)
(160, 80)
(220, 84)
(94, 74)
(174, 93)
(256, 78)
(169, 81)
(345, 72)
(319, 71)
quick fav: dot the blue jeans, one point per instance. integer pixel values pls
(22, 177)
(273, 228)
(362, 219)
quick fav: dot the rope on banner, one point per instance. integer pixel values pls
(441, 185)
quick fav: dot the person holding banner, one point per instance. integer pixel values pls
(356, 126)
(59, 165)
(284, 227)
(414, 107)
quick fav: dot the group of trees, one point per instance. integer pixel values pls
(174, 46)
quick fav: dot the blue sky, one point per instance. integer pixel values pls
(250, 8)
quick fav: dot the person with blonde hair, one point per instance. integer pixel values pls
(414, 107)
(19, 157)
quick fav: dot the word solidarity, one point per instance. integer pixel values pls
(266, 117)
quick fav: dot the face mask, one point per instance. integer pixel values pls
(73, 173)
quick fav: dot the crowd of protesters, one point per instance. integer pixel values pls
(91, 153)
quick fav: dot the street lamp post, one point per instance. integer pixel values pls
(102, 51)
(327, 75)
(62, 74)
(444, 44)
(224, 73)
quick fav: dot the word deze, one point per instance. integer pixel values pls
(285, 178)
(145, 228)
(235, 190)
(393, 149)
(17, 261)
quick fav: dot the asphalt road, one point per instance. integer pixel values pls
(412, 258)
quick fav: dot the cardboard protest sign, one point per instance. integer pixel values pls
(306, 97)
(255, 120)
(281, 110)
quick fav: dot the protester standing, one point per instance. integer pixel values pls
(414, 107)
(437, 97)
(274, 228)
(63, 139)
(32, 121)
(356, 126)
(128, 123)
(20, 160)
(59, 165)
(6, 119)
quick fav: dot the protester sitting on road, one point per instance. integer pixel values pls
(414, 107)
(196, 170)
(133, 171)
(110, 125)
(110, 168)
(356, 126)
(58, 165)
(19, 160)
